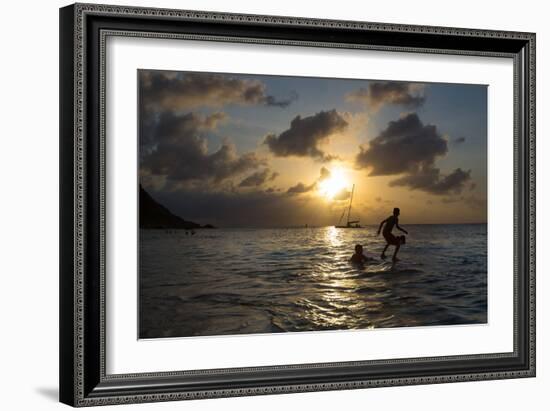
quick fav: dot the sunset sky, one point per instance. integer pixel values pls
(247, 150)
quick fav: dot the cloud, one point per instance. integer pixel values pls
(324, 173)
(177, 129)
(258, 178)
(272, 101)
(305, 135)
(162, 90)
(178, 150)
(459, 140)
(409, 147)
(405, 145)
(343, 194)
(246, 208)
(432, 181)
(378, 94)
(301, 188)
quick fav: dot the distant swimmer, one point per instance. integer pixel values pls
(390, 222)
(358, 257)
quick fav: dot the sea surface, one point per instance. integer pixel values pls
(241, 281)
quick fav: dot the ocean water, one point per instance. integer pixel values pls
(241, 281)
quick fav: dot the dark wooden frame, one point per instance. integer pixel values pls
(83, 30)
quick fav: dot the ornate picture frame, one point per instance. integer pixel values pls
(84, 29)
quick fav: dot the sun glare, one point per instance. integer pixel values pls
(334, 184)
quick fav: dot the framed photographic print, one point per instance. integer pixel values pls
(261, 204)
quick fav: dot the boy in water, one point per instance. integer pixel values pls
(390, 222)
(359, 257)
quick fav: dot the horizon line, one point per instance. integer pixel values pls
(315, 226)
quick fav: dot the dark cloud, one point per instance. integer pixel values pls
(405, 145)
(409, 147)
(324, 174)
(177, 129)
(178, 150)
(305, 135)
(246, 209)
(459, 140)
(301, 188)
(166, 90)
(378, 94)
(272, 101)
(258, 178)
(432, 181)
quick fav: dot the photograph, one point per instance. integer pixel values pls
(275, 204)
(289, 201)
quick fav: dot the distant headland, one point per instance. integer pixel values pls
(153, 215)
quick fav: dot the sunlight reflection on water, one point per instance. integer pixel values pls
(233, 281)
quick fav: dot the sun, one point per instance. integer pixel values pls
(333, 184)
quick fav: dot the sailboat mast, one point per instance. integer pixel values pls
(350, 200)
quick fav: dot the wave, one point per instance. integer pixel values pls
(255, 281)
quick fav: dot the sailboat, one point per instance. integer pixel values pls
(349, 223)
